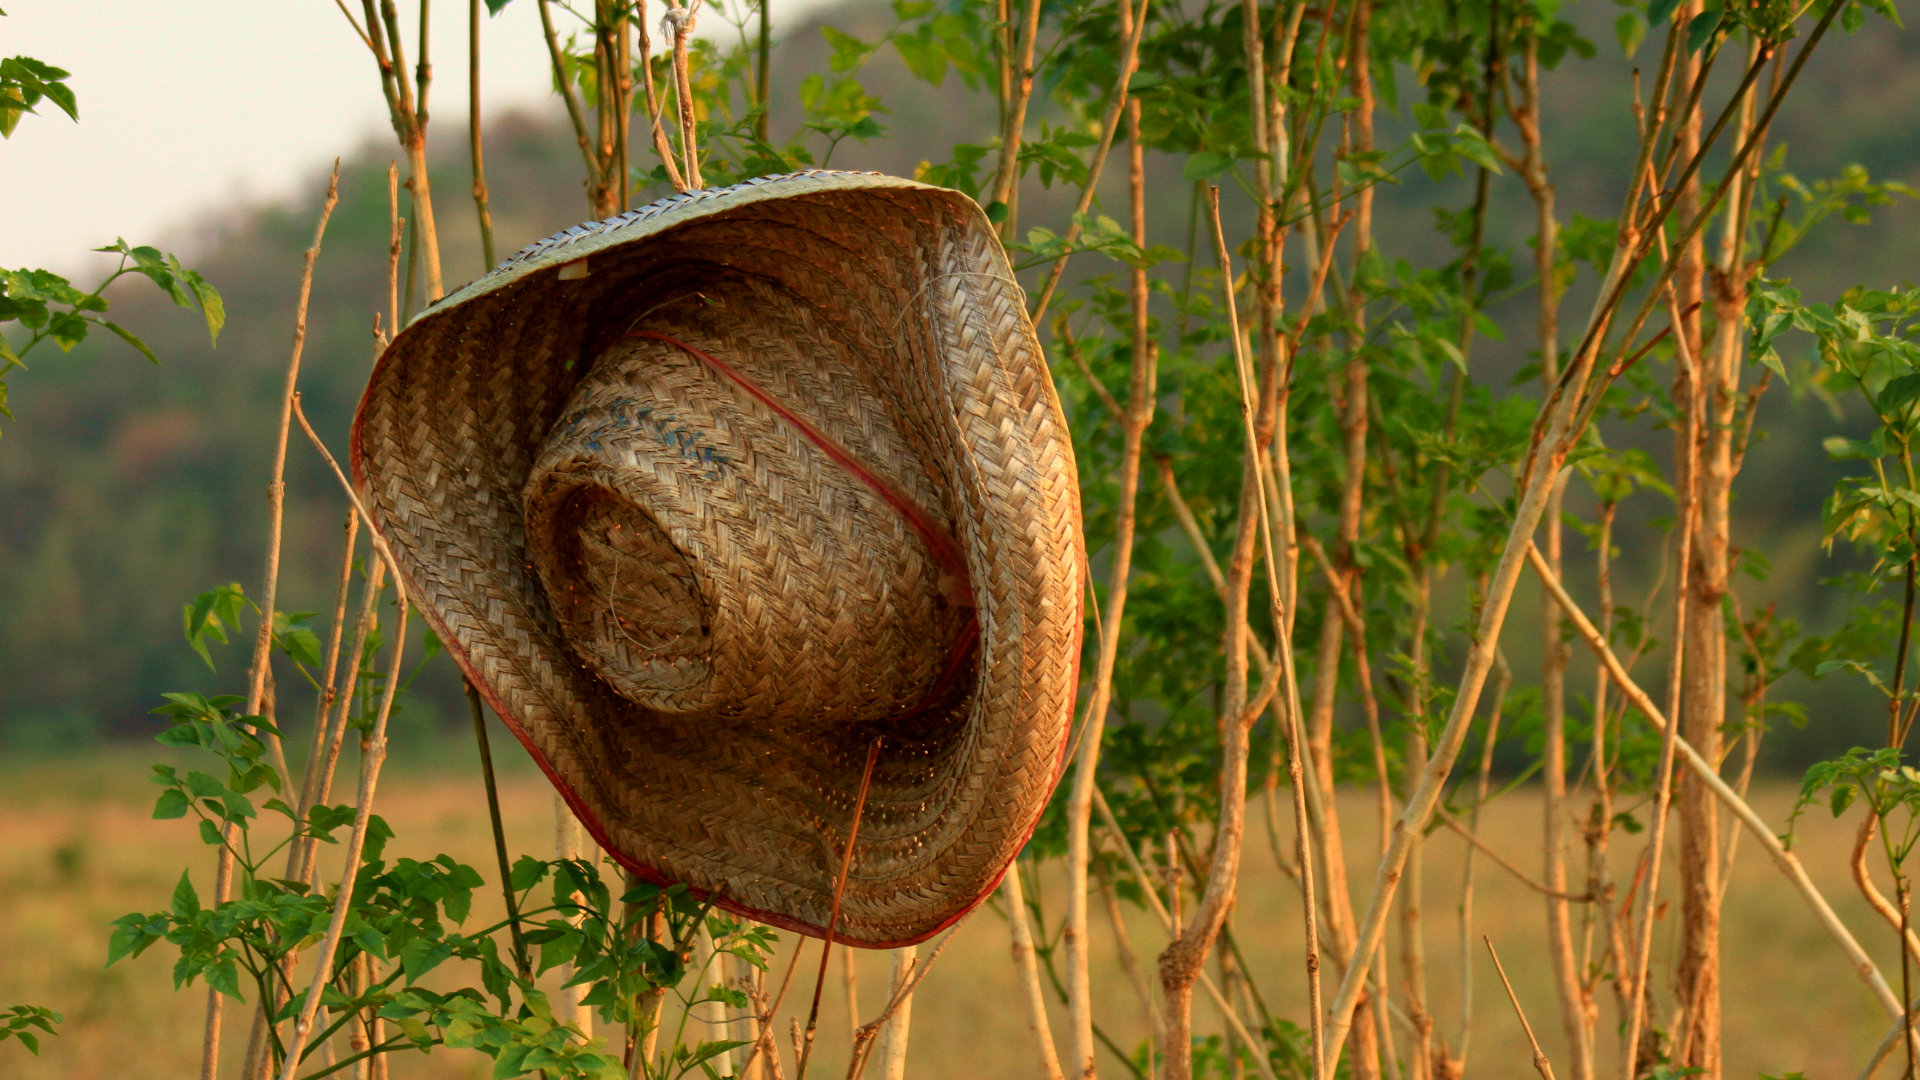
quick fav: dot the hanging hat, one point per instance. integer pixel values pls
(708, 497)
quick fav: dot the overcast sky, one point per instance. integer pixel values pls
(188, 106)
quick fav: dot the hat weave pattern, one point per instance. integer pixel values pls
(630, 500)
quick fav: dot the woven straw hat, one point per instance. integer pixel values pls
(708, 497)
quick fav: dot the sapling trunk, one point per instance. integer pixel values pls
(480, 200)
(1575, 1004)
(1075, 936)
(850, 980)
(1028, 972)
(1180, 963)
(263, 641)
(1701, 706)
(369, 778)
(1136, 14)
(1017, 78)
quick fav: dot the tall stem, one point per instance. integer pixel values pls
(1007, 175)
(763, 74)
(473, 136)
(1028, 972)
(263, 640)
(1075, 935)
(376, 755)
(521, 961)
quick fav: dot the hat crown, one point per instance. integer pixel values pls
(705, 555)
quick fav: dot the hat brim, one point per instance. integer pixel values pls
(457, 407)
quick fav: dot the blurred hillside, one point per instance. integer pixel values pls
(125, 489)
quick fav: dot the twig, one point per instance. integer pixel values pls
(473, 136)
(1108, 128)
(681, 19)
(1540, 1062)
(1006, 177)
(763, 75)
(1029, 972)
(833, 917)
(521, 961)
(564, 87)
(337, 726)
(1180, 963)
(766, 1036)
(902, 993)
(1689, 467)
(263, 642)
(850, 979)
(1519, 875)
(1076, 935)
(1159, 909)
(1874, 897)
(892, 1047)
(659, 133)
(317, 752)
(343, 898)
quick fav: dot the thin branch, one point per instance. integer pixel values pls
(1109, 126)
(1540, 1062)
(1028, 972)
(903, 992)
(473, 135)
(833, 918)
(1518, 874)
(1006, 176)
(263, 641)
(522, 962)
(343, 897)
(681, 19)
(355, 23)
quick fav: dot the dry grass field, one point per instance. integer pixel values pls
(77, 849)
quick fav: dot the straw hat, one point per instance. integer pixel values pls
(708, 497)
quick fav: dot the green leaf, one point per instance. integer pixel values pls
(129, 938)
(1841, 798)
(173, 803)
(1770, 359)
(495, 7)
(848, 51)
(1659, 11)
(421, 955)
(1629, 31)
(1145, 82)
(1469, 143)
(924, 56)
(212, 307)
(1451, 352)
(1700, 31)
(1206, 164)
(511, 1062)
(708, 1050)
(186, 902)
(527, 872)
(127, 336)
(67, 329)
(295, 638)
(1899, 393)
